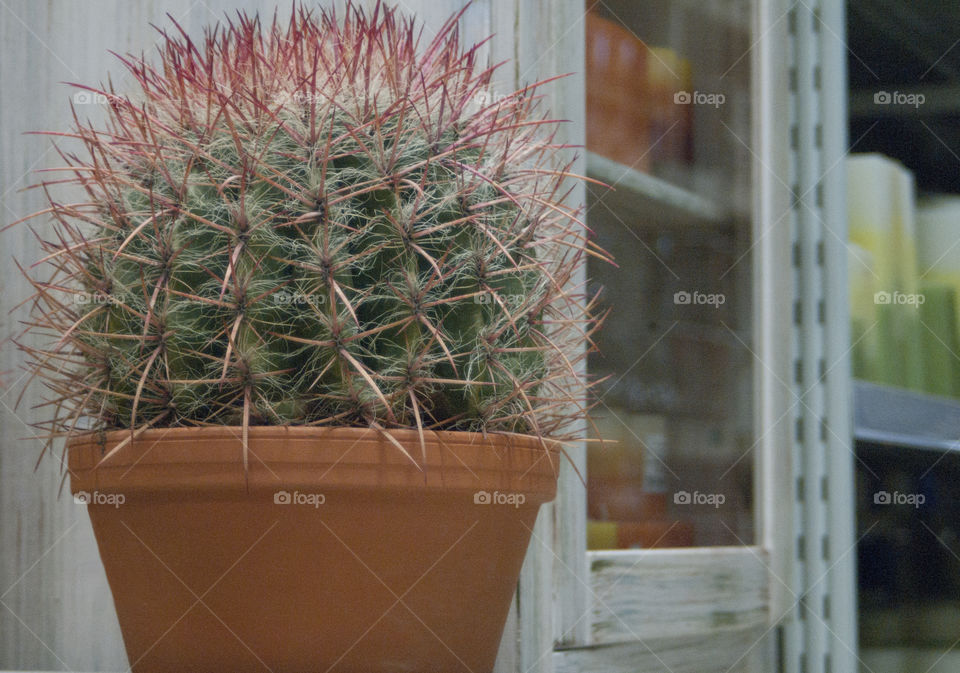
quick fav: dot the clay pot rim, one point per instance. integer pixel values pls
(233, 431)
(210, 459)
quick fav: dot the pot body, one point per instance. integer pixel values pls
(332, 552)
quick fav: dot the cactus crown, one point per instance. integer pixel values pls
(316, 222)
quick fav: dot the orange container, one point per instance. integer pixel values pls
(617, 118)
(639, 99)
(333, 552)
(669, 84)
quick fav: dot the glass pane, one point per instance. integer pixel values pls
(668, 118)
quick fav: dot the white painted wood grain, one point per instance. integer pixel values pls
(773, 291)
(667, 593)
(543, 39)
(728, 652)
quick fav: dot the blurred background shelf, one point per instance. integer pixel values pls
(898, 417)
(650, 199)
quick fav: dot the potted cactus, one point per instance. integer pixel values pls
(312, 339)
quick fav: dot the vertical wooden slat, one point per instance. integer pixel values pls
(56, 612)
(822, 637)
(842, 584)
(502, 48)
(773, 292)
(549, 40)
(570, 581)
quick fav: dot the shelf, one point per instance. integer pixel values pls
(649, 198)
(897, 417)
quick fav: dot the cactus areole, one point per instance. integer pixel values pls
(319, 261)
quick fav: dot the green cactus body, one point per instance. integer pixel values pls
(317, 223)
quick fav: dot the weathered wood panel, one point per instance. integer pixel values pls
(548, 39)
(702, 593)
(736, 651)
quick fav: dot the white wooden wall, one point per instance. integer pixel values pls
(55, 608)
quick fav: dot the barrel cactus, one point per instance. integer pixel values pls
(320, 221)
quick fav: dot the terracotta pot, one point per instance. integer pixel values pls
(333, 553)
(638, 99)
